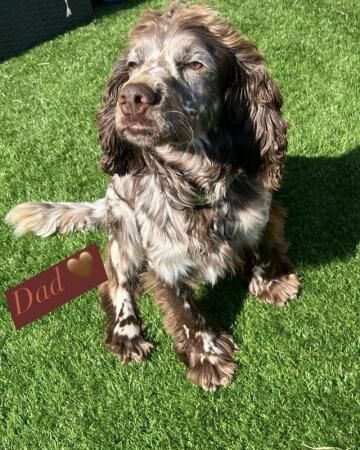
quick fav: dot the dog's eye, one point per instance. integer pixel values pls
(132, 65)
(195, 65)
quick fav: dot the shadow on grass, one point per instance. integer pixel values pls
(322, 196)
(222, 303)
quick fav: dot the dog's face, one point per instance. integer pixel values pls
(172, 94)
(187, 72)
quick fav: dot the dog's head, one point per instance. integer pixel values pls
(186, 72)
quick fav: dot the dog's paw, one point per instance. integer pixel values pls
(277, 291)
(209, 360)
(129, 349)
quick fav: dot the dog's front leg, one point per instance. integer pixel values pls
(123, 331)
(123, 263)
(207, 354)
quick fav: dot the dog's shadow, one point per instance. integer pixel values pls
(322, 197)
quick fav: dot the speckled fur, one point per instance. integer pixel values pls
(216, 132)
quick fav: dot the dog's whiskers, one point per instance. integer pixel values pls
(185, 124)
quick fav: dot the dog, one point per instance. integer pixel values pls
(193, 138)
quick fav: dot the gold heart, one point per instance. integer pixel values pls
(82, 266)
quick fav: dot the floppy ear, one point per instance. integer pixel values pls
(116, 152)
(253, 105)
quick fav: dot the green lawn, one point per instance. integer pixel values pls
(298, 382)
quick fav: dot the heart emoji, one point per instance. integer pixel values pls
(82, 266)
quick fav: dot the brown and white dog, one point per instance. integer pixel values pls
(192, 135)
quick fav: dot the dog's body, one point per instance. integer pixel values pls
(192, 135)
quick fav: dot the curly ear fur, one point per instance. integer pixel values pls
(253, 107)
(261, 101)
(116, 152)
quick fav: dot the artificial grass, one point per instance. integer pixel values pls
(297, 385)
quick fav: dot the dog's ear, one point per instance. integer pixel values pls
(116, 152)
(252, 104)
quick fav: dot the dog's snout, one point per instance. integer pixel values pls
(137, 98)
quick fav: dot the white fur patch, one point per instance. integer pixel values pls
(251, 221)
(169, 261)
(211, 274)
(187, 331)
(186, 306)
(258, 272)
(213, 359)
(208, 340)
(130, 330)
(115, 254)
(122, 300)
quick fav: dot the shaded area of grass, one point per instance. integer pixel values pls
(298, 377)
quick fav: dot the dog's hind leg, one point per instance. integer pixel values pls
(268, 270)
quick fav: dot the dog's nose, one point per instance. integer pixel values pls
(136, 98)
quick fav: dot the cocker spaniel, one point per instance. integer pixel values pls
(193, 138)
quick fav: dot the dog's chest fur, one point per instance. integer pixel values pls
(179, 237)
